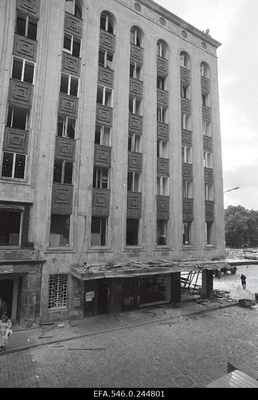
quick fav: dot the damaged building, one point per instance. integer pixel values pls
(110, 157)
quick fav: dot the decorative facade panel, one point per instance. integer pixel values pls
(162, 97)
(136, 87)
(209, 211)
(187, 210)
(207, 143)
(107, 40)
(65, 149)
(187, 172)
(162, 208)
(208, 175)
(71, 65)
(106, 76)
(136, 54)
(186, 106)
(15, 140)
(102, 156)
(206, 113)
(100, 202)
(162, 132)
(185, 76)
(73, 25)
(162, 66)
(163, 166)
(68, 105)
(187, 138)
(135, 123)
(62, 199)
(134, 205)
(20, 92)
(134, 162)
(104, 115)
(25, 48)
(29, 6)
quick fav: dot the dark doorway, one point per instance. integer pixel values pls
(6, 292)
(103, 296)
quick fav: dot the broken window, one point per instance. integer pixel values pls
(72, 45)
(102, 135)
(135, 70)
(162, 186)
(59, 230)
(26, 26)
(187, 233)
(136, 37)
(10, 227)
(104, 96)
(106, 23)
(162, 149)
(98, 231)
(132, 231)
(23, 70)
(17, 117)
(135, 105)
(66, 126)
(69, 84)
(63, 172)
(161, 233)
(184, 60)
(13, 165)
(134, 142)
(208, 232)
(105, 58)
(162, 49)
(100, 178)
(134, 182)
(73, 7)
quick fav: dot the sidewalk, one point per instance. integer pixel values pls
(23, 339)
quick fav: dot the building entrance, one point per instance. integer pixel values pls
(6, 292)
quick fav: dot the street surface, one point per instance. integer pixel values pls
(184, 352)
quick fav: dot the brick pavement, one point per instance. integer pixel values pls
(169, 349)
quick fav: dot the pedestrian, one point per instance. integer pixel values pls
(243, 280)
(5, 331)
(3, 307)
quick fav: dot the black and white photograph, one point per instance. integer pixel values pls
(128, 196)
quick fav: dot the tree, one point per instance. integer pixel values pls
(237, 224)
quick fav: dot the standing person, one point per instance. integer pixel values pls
(243, 280)
(5, 331)
(3, 307)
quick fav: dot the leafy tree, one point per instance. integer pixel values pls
(241, 227)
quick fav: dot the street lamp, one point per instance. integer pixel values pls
(229, 190)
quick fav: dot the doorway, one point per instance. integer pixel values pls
(6, 292)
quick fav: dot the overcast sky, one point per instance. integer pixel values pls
(234, 24)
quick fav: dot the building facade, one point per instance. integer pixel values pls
(110, 152)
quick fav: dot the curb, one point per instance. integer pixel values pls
(17, 349)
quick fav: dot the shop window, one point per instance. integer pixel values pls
(98, 231)
(26, 26)
(69, 85)
(100, 178)
(59, 230)
(135, 70)
(132, 231)
(66, 126)
(186, 121)
(162, 49)
(161, 233)
(104, 96)
(57, 291)
(162, 149)
(187, 189)
(23, 70)
(135, 105)
(134, 142)
(72, 45)
(184, 60)
(102, 135)
(162, 186)
(205, 70)
(187, 233)
(161, 114)
(105, 59)
(73, 7)
(206, 128)
(207, 159)
(63, 172)
(208, 192)
(134, 182)
(136, 37)
(106, 23)
(187, 154)
(208, 232)
(10, 227)
(13, 165)
(17, 117)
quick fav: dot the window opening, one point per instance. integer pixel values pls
(187, 233)
(133, 182)
(10, 228)
(69, 85)
(208, 192)
(72, 7)
(186, 122)
(161, 233)
(161, 114)
(207, 159)
(23, 70)
(132, 231)
(134, 142)
(17, 117)
(106, 23)
(135, 37)
(13, 165)
(26, 26)
(104, 96)
(187, 189)
(59, 230)
(100, 178)
(105, 59)
(66, 126)
(98, 231)
(184, 60)
(162, 185)
(63, 172)
(102, 135)
(72, 45)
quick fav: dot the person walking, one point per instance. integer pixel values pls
(5, 331)
(243, 281)
(3, 307)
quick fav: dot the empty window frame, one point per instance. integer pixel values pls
(134, 142)
(99, 231)
(102, 135)
(63, 172)
(69, 85)
(187, 189)
(72, 45)
(23, 70)
(13, 165)
(66, 126)
(187, 154)
(162, 149)
(206, 128)
(136, 37)
(205, 70)
(208, 232)
(57, 291)
(161, 82)
(161, 49)
(105, 96)
(59, 230)
(161, 114)
(185, 92)
(162, 186)
(134, 182)
(187, 233)
(105, 59)
(135, 70)
(10, 227)
(206, 100)
(17, 117)
(26, 26)
(161, 233)
(186, 121)
(184, 60)
(208, 192)
(73, 7)
(207, 159)
(100, 178)
(135, 105)
(107, 23)
(132, 232)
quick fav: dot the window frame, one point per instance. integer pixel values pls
(100, 178)
(28, 19)
(134, 182)
(72, 40)
(20, 210)
(24, 62)
(64, 173)
(65, 125)
(162, 186)
(69, 85)
(102, 92)
(14, 165)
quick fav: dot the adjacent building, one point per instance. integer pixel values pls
(110, 155)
